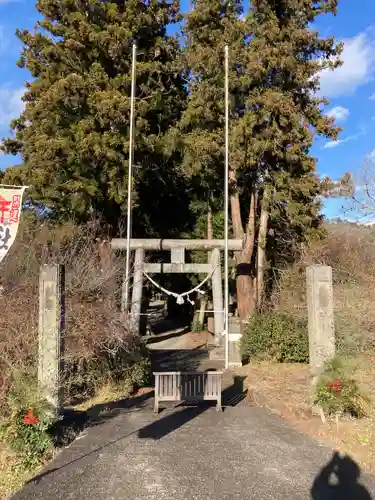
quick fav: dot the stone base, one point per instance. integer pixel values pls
(235, 334)
(235, 358)
(217, 353)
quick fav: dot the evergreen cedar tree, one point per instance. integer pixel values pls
(73, 134)
(275, 60)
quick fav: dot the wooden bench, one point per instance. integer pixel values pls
(187, 386)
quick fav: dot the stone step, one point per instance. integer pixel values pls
(235, 325)
(212, 365)
(217, 353)
(213, 342)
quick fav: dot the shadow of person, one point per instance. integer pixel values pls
(339, 480)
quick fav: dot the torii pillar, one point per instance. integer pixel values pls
(178, 265)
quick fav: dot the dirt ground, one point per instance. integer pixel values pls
(285, 389)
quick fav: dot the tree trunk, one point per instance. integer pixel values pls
(255, 289)
(202, 312)
(262, 241)
(244, 285)
(203, 302)
(210, 229)
(244, 282)
(235, 206)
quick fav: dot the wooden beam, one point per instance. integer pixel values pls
(177, 268)
(160, 244)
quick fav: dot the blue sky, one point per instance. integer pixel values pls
(350, 89)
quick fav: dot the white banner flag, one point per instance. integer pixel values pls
(10, 211)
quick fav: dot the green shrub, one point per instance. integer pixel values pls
(138, 374)
(196, 326)
(26, 426)
(121, 365)
(26, 430)
(337, 392)
(275, 336)
(127, 369)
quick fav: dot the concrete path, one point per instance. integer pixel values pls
(179, 338)
(182, 352)
(195, 454)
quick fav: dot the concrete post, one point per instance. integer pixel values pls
(320, 316)
(217, 294)
(136, 306)
(235, 335)
(51, 328)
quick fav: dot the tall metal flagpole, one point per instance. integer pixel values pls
(226, 210)
(125, 288)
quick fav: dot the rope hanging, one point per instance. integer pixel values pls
(180, 296)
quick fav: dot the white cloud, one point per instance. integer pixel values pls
(354, 137)
(11, 105)
(333, 144)
(372, 97)
(358, 67)
(339, 113)
(371, 156)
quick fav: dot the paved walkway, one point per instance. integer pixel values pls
(195, 454)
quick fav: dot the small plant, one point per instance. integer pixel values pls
(275, 336)
(337, 392)
(196, 326)
(126, 369)
(26, 428)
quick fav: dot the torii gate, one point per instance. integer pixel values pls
(178, 265)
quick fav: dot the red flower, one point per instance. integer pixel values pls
(30, 418)
(335, 386)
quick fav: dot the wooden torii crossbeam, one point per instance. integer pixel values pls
(161, 244)
(177, 247)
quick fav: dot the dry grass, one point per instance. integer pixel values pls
(10, 481)
(350, 250)
(105, 394)
(285, 389)
(97, 346)
(93, 287)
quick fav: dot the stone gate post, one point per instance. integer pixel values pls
(320, 316)
(51, 329)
